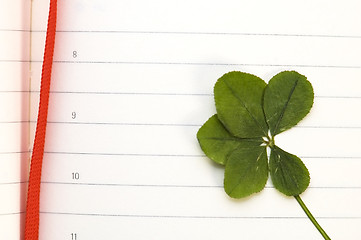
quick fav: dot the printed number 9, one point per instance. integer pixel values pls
(73, 115)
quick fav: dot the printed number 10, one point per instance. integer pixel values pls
(75, 175)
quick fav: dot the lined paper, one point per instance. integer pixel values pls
(132, 84)
(14, 114)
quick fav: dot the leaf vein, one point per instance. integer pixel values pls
(286, 172)
(285, 106)
(234, 139)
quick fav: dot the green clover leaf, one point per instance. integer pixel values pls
(217, 143)
(246, 171)
(250, 113)
(288, 173)
(288, 98)
(238, 98)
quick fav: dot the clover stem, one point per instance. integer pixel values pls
(310, 216)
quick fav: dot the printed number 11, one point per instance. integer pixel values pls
(73, 236)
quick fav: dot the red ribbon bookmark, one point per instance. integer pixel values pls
(32, 205)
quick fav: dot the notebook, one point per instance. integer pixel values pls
(133, 82)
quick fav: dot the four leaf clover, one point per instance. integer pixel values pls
(250, 113)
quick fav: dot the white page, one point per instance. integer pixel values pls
(14, 114)
(132, 83)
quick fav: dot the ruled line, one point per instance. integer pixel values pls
(191, 63)
(185, 125)
(163, 124)
(191, 217)
(187, 33)
(135, 93)
(13, 213)
(151, 93)
(210, 64)
(16, 152)
(112, 93)
(13, 183)
(16, 61)
(131, 185)
(126, 154)
(183, 186)
(14, 122)
(130, 124)
(178, 155)
(165, 185)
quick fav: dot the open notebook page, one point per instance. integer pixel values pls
(132, 83)
(14, 114)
